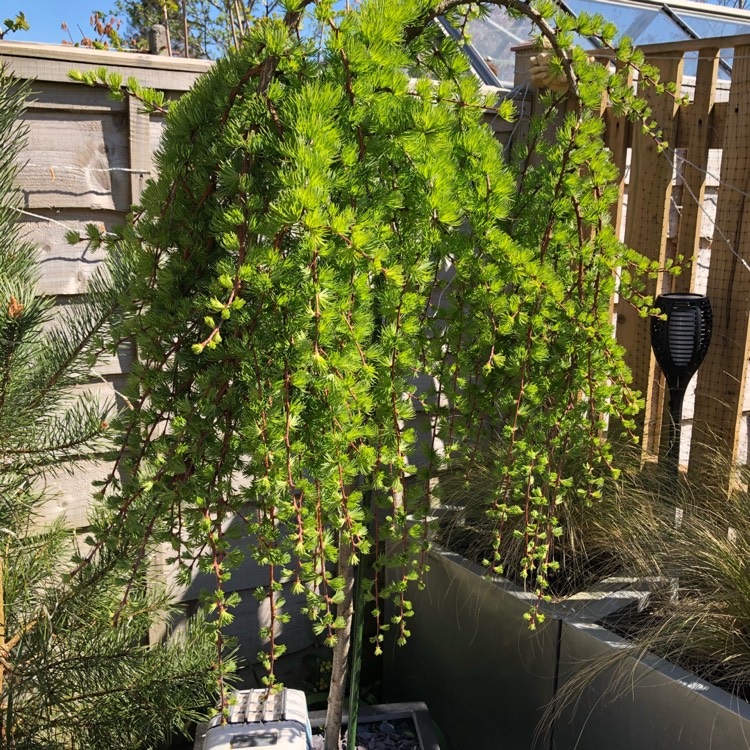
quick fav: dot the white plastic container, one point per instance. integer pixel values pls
(260, 719)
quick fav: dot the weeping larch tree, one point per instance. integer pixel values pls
(334, 226)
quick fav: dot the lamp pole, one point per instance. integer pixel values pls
(680, 337)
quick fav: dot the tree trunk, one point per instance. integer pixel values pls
(185, 30)
(166, 26)
(356, 648)
(339, 669)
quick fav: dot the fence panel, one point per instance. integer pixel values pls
(646, 229)
(689, 201)
(697, 138)
(721, 387)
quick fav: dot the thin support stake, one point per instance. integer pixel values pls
(672, 456)
(356, 667)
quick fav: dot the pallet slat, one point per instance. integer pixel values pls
(694, 169)
(646, 228)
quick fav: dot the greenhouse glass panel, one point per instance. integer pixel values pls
(495, 36)
(644, 25)
(648, 22)
(707, 26)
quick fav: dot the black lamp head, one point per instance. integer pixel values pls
(680, 342)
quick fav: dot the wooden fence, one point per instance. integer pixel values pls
(690, 200)
(86, 160)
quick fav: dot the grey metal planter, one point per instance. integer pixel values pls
(472, 658)
(488, 680)
(642, 702)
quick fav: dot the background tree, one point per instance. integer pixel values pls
(18, 23)
(211, 27)
(70, 676)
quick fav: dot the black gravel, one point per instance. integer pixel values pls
(398, 734)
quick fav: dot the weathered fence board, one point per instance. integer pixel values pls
(158, 124)
(63, 97)
(720, 393)
(139, 139)
(646, 227)
(64, 268)
(68, 161)
(50, 62)
(87, 156)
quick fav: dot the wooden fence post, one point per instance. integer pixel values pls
(694, 169)
(646, 225)
(616, 140)
(139, 124)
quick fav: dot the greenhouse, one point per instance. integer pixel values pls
(644, 21)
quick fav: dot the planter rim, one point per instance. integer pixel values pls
(589, 605)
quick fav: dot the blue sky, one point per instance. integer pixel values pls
(46, 16)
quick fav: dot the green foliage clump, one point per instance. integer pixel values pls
(341, 278)
(17, 23)
(69, 676)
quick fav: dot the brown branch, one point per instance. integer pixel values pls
(185, 32)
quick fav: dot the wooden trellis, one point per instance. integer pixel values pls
(690, 200)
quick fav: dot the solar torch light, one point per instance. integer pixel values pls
(680, 343)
